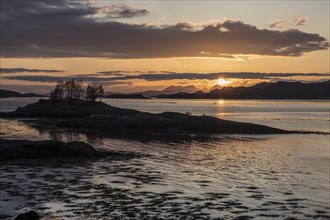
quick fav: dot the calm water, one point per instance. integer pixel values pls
(269, 176)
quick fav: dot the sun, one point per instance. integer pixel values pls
(222, 82)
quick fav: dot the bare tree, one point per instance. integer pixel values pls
(93, 92)
(78, 89)
(58, 92)
(74, 89)
(69, 88)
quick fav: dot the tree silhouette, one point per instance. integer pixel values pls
(74, 90)
(58, 92)
(92, 92)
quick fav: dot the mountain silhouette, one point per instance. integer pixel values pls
(278, 90)
(8, 93)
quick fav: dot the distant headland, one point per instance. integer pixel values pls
(8, 94)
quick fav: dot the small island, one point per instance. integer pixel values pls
(73, 106)
(98, 116)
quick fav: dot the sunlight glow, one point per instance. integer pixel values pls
(222, 82)
(220, 102)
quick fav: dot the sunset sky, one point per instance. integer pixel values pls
(131, 46)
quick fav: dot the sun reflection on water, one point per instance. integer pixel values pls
(221, 102)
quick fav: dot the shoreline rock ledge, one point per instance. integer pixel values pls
(23, 149)
(98, 116)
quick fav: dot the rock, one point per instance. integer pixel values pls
(22, 149)
(30, 215)
(164, 123)
(65, 108)
(77, 148)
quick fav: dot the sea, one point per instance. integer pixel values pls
(226, 177)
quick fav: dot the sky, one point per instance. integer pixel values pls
(132, 46)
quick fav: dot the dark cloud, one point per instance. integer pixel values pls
(288, 23)
(86, 78)
(213, 76)
(123, 11)
(41, 78)
(85, 75)
(167, 76)
(20, 70)
(113, 73)
(45, 28)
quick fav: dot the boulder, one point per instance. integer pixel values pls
(22, 149)
(77, 148)
(30, 215)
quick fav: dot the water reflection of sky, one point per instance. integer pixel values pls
(273, 174)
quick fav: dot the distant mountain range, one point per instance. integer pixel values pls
(8, 93)
(265, 90)
(277, 90)
(152, 93)
(126, 96)
(169, 90)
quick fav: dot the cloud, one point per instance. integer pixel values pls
(285, 23)
(167, 76)
(213, 76)
(80, 29)
(20, 70)
(122, 11)
(42, 78)
(114, 73)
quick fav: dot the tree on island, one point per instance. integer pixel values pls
(93, 92)
(57, 93)
(75, 90)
